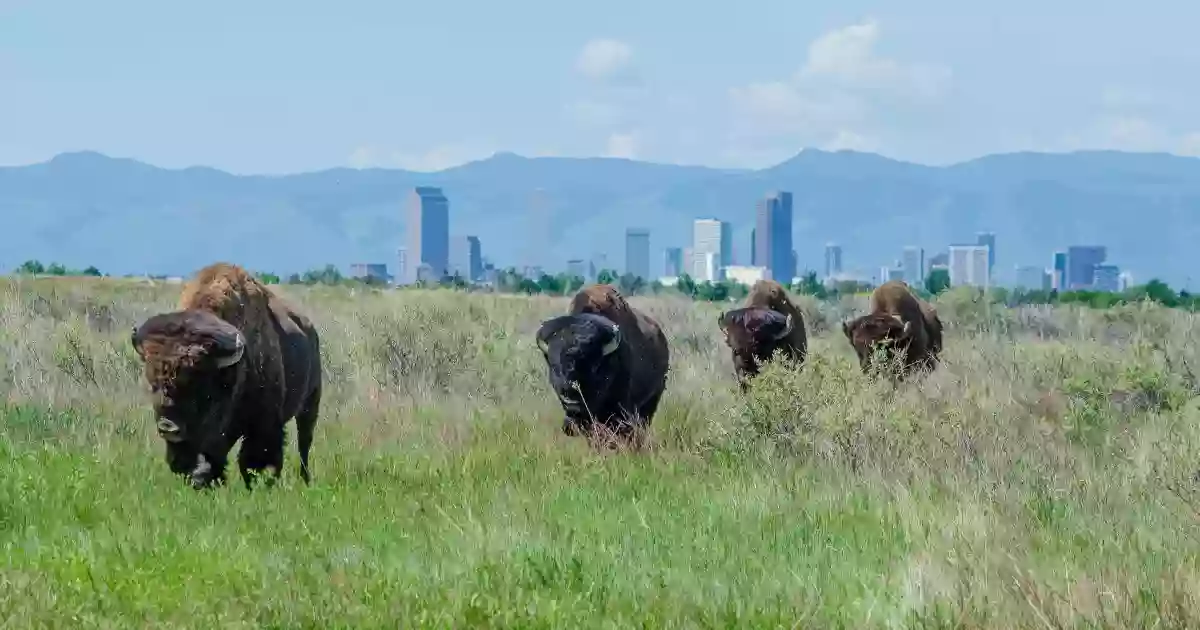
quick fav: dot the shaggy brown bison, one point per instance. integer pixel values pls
(901, 325)
(607, 363)
(234, 362)
(768, 321)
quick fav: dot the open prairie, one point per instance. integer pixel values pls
(1044, 476)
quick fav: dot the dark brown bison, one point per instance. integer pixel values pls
(900, 325)
(607, 363)
(768, 321)
(233, 362)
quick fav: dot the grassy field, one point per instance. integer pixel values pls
(1045, 476)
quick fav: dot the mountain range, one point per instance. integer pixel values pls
(125, 216)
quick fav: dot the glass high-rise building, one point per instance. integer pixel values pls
(428, 231)
(773, 236)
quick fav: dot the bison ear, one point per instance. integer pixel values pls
(133, 340)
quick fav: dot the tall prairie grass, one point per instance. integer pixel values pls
(1046, 475)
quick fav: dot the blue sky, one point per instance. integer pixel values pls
(274, 87)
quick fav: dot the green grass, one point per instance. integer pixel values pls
(1045, 476)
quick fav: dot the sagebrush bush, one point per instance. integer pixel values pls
(1044, 475)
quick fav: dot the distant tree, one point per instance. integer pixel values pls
(267, 278)
(809, 285)
(92, 271)
(31, 267)
(56, 269)
(686, 285)
(455, 281)
(572, 284)
(549, 284)
(937, 281)
(606, 276)
(631, 284)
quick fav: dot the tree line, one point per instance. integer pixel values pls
(511, 281)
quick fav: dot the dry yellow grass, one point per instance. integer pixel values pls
(1044, 476)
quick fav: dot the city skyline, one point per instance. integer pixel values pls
(710, 256)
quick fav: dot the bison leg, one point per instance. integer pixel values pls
(650, 407)
(260, 450)
(306, 420)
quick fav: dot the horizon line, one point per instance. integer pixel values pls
(502, 154)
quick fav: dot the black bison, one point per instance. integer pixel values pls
(607, 363)
(900, 324)
(233, 362)
(768, 321)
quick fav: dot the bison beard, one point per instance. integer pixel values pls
(589, 372)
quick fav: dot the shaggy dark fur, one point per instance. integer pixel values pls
(595, 387)
(761, 326)
(207, 396)
(899, 325)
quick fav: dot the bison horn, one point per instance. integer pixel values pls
(239, 347)
(611, 346)
(542, 344)
(787, 327)
(168, 429)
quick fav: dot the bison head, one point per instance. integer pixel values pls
(752, 335)
(581, 357)
(882, 333)
(192, 362)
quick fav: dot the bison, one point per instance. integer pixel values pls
(768, 321)
(899, 323)
(607, 362)
(234, 362)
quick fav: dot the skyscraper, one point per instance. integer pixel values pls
(773, 234)
(466, 259)
(1058, 280)
(708, 237)
(673, 261)
(913, 264)
(989, 239)
(402, 276)
(1081, 265)
(833, 260)
(577, 268)
(726, 244)
(1032, 278)
(1106, 278)
(968, 265)
(753, 247)
(637, 252)
(429, 231)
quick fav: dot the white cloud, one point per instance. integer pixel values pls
(1190, 145)
(605, 60)
(849, 140)
(622, 145)
(1132, 133)
(435, 159)
(837, 96)
(846, 57)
